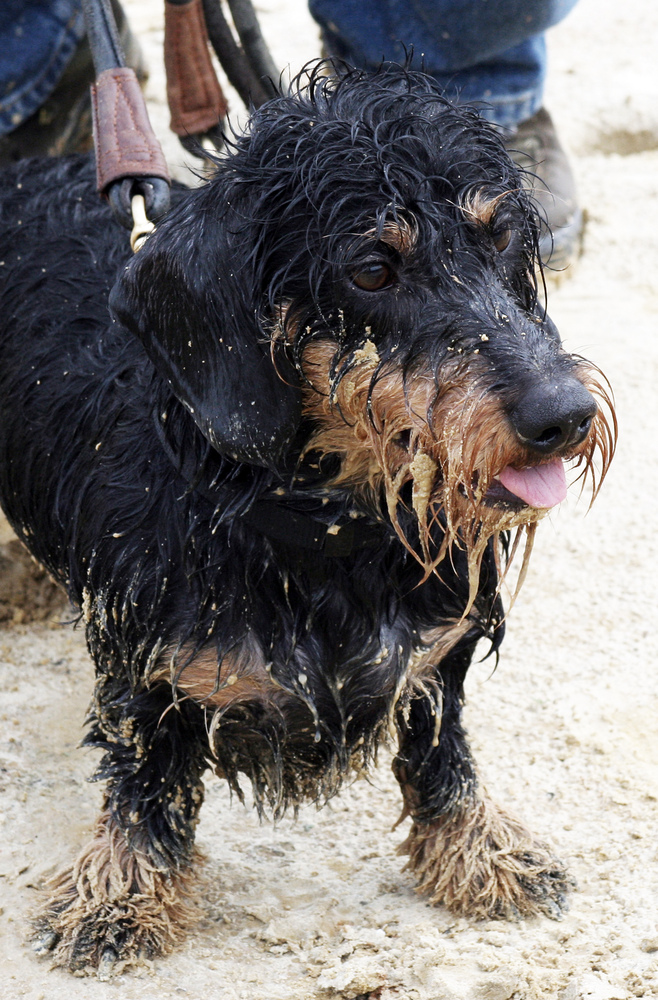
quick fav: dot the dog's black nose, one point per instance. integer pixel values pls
(554, 415)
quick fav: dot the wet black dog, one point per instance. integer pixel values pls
(278, 478)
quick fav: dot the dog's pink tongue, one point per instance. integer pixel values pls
(540, 486)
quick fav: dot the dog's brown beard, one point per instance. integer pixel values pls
(449, 439)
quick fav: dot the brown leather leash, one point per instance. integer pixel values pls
(131, 168)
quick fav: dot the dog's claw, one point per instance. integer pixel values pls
(551, 891)
(106, 964)
(555, 910)
(45, 941)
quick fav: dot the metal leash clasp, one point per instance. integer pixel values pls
(142, 227)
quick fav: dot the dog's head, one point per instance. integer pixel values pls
(362, 266)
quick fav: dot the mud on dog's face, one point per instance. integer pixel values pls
(357, 289)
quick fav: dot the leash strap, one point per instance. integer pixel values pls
(126, 145)
(129, 158)
(256, 52)
(195, 97)
(255, 82)
(274, 518)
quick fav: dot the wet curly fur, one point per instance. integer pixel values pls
(268, 478)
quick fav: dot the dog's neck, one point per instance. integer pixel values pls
(275, 513)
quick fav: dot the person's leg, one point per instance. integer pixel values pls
(491, 53)
(37, 41)
(45, 72)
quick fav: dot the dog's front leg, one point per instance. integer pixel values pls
(128, 895)
(468, 853)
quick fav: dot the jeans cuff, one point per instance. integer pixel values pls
(22, 102)
(509, 112)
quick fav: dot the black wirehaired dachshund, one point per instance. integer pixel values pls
(278, 477)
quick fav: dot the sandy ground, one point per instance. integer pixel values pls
(566, 729)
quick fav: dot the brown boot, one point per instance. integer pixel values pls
(536, 148)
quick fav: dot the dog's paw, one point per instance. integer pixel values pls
(111, 910)
(103, 942)
(88, 936)
(484, 863)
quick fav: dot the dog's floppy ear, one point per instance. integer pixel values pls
(189, 296)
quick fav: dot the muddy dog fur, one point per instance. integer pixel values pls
(282, 478)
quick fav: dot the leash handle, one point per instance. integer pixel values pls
(129, 158)
(196, 100)
(255, 49)
(251, 69)
(103, 36)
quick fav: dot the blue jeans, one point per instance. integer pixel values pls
(37, 41)
(488, 52)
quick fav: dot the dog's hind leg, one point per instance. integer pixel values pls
(467, 853)
(129, 895)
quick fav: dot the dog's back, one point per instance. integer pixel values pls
(59, 251)
(74, 386)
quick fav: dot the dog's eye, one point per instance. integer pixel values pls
(373, 277)
(502, 239)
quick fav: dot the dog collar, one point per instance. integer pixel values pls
(276, 519)
(290, 526)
